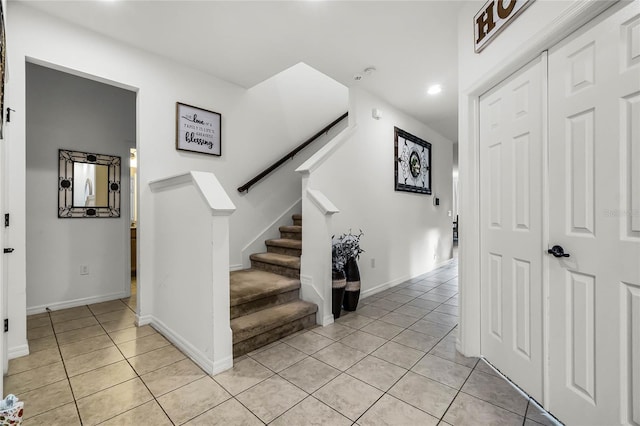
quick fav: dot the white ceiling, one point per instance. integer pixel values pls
(411, 44)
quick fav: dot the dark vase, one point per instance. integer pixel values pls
(338, 284)
(352, 289)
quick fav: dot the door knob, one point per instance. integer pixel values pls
(558, 251)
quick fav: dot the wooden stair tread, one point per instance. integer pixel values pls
(252, 284)
(265, 299)
(251, 325)
(285, 242)
(291, 228)
(292, 262)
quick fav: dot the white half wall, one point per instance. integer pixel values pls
(405, 234)
(63, 114)
(191, 301)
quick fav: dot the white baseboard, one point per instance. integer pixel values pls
(237, 267)
(18, 351)
(76, 302)
(440, 264)
(196, 355)
(143, 320)
(222, 365)
(327, 320)
(384, 286)
(393, 283)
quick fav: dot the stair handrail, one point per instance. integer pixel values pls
(290, 155)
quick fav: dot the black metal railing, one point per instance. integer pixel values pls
(290, 155)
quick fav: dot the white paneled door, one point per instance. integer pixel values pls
(594, 199)
(511, 148)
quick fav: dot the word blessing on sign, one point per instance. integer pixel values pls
(197, 130)
(495, 16)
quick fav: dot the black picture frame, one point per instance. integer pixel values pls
(198, 130)
(412, 159)
(69, 184)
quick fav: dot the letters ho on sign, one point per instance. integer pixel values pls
(495, 16)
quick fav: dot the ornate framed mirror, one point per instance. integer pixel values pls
(88, 185)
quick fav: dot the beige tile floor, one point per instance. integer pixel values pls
(392, 362)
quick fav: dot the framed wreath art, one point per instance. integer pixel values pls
(412, 163)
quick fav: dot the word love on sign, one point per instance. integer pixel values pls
(495, 16)
(197, 130)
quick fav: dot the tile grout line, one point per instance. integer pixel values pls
(441, 420)
(110, 338)
(306, 355)
(68, 378)
(64, 365)
(367, 354)
(75, 400)
(407, 372)
(340, 371)
(526, 410)
(414, 364)
(513, 385)
(134, 370)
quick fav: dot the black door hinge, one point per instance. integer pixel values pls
(6, 220)
(6, 325)
(9, 114)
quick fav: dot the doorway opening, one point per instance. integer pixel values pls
(133, 203)
(82, 260)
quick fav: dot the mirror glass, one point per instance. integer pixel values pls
(88, 185)
(95, 190)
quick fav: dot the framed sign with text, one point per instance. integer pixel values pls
(198, 130)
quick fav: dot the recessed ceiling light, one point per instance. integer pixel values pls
(434, 89)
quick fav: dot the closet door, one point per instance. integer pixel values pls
(594, 168)
(511, 146)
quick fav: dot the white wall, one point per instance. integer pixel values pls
(63, 114)
(404, 232)
(258, 126)
(506, 44)
(272, 119)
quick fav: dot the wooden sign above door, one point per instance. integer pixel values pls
(495, 16)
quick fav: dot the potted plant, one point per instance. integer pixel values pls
(339, 281)
(352, 249)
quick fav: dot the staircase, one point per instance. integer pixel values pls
(265, 299)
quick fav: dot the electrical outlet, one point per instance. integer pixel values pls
(84, 269)
(373, 262)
